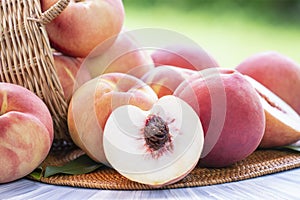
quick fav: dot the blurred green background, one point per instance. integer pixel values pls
(230, 30)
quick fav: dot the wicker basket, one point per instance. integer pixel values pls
(259, 163)
(27, 59)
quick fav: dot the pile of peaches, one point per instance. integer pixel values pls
(152, 116)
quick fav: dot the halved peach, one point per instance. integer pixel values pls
(155, 147)
(282, 121)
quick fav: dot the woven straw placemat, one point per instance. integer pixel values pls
(261, 162)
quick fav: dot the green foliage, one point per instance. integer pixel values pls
(276, 10)
(271, 4)
(81, 165)
(291, 147)
(230, 35)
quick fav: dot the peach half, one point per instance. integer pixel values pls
(155, 147)
(94, 101)
(282, 121)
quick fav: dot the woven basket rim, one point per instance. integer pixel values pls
(259, 163)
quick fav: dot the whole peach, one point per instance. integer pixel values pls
(70, 73)
(185, 56)
(26, 132)
(123, 56)
(165, 79)
(84, 24)
(231, 114)
(94, 101)
(277, 72)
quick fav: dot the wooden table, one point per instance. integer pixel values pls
(281, 186)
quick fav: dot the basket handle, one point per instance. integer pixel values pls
(52, 12)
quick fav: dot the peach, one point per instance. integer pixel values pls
(84, 24)
(282, 122)
(230, 111)
(165, 79)
(94, 101)
(70, 73)
(123, 56)
(26, 133)
(185, 56)
(277, 72)
(156, 147)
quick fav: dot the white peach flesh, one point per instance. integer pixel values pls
(127, 151)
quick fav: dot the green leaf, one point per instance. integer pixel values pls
(81, 165)
(36, 174)
(292, 147)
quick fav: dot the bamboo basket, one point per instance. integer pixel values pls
(27, 59)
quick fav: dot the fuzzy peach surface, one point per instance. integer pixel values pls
(26, 132)
(231, 114)
(93, 102)
(83, 25)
